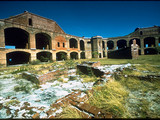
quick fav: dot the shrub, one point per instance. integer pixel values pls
(44, 59)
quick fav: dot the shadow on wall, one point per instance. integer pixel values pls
(124, 53)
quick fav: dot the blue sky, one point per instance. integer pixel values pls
(90, 18)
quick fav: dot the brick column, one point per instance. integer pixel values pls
(78, 43)
(2, 38)
(79, 55)
(128, 43)
(32, 41)
(33, 56)
(156, 41)
(106, 54)
(68, 55)
(115, 44)
(142, 46)
(3, 60)
(53, 55)
(53, 42)
(101, 47)
(67, 43)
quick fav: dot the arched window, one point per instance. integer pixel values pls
(30, 22)
(63, 45)
(141, 33)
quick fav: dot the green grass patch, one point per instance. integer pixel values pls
(142, 70)
(142, 59)
(143, 101)
(69, 112)
(87, 78)
(111, 97)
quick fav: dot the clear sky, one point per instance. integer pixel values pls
(90, 18)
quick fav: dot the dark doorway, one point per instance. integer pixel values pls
(16, 37)
(74, 55)
(43, 41)
(110, 45)
(149, 42)
(44, 56)
(121, 44)
(18, 57)
(82, 55)
(150, 51)
(61, 56)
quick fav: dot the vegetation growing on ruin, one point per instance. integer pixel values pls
(70, 112)
(111, 97)
(143, 97)
(24, 87)
(142, 70)
(12, 102)
(123, 96)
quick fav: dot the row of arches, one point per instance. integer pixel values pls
(21, 57)
(19, 39)
(148, 42)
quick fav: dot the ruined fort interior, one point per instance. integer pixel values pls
(27, 37)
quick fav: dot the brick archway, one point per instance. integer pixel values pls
(16, 38)
(17, 57)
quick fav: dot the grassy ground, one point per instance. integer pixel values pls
(124, 97)
(143, 59)
(128, 97)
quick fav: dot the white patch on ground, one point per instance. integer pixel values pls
(46, 95)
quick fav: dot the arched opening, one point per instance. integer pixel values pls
(103, 45)
(100, 56)
(73, 43)
(138, 42)
(121, 44)
(82, 45)
(82, 55)
(61, 56)
(43, 41)
(74, 55)
(150, 51)
(44, 56)
(110, 45)
(18, 57)
(149, 42)
(16, 38)
(141, 33)
(63, 44)
(104, 54)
